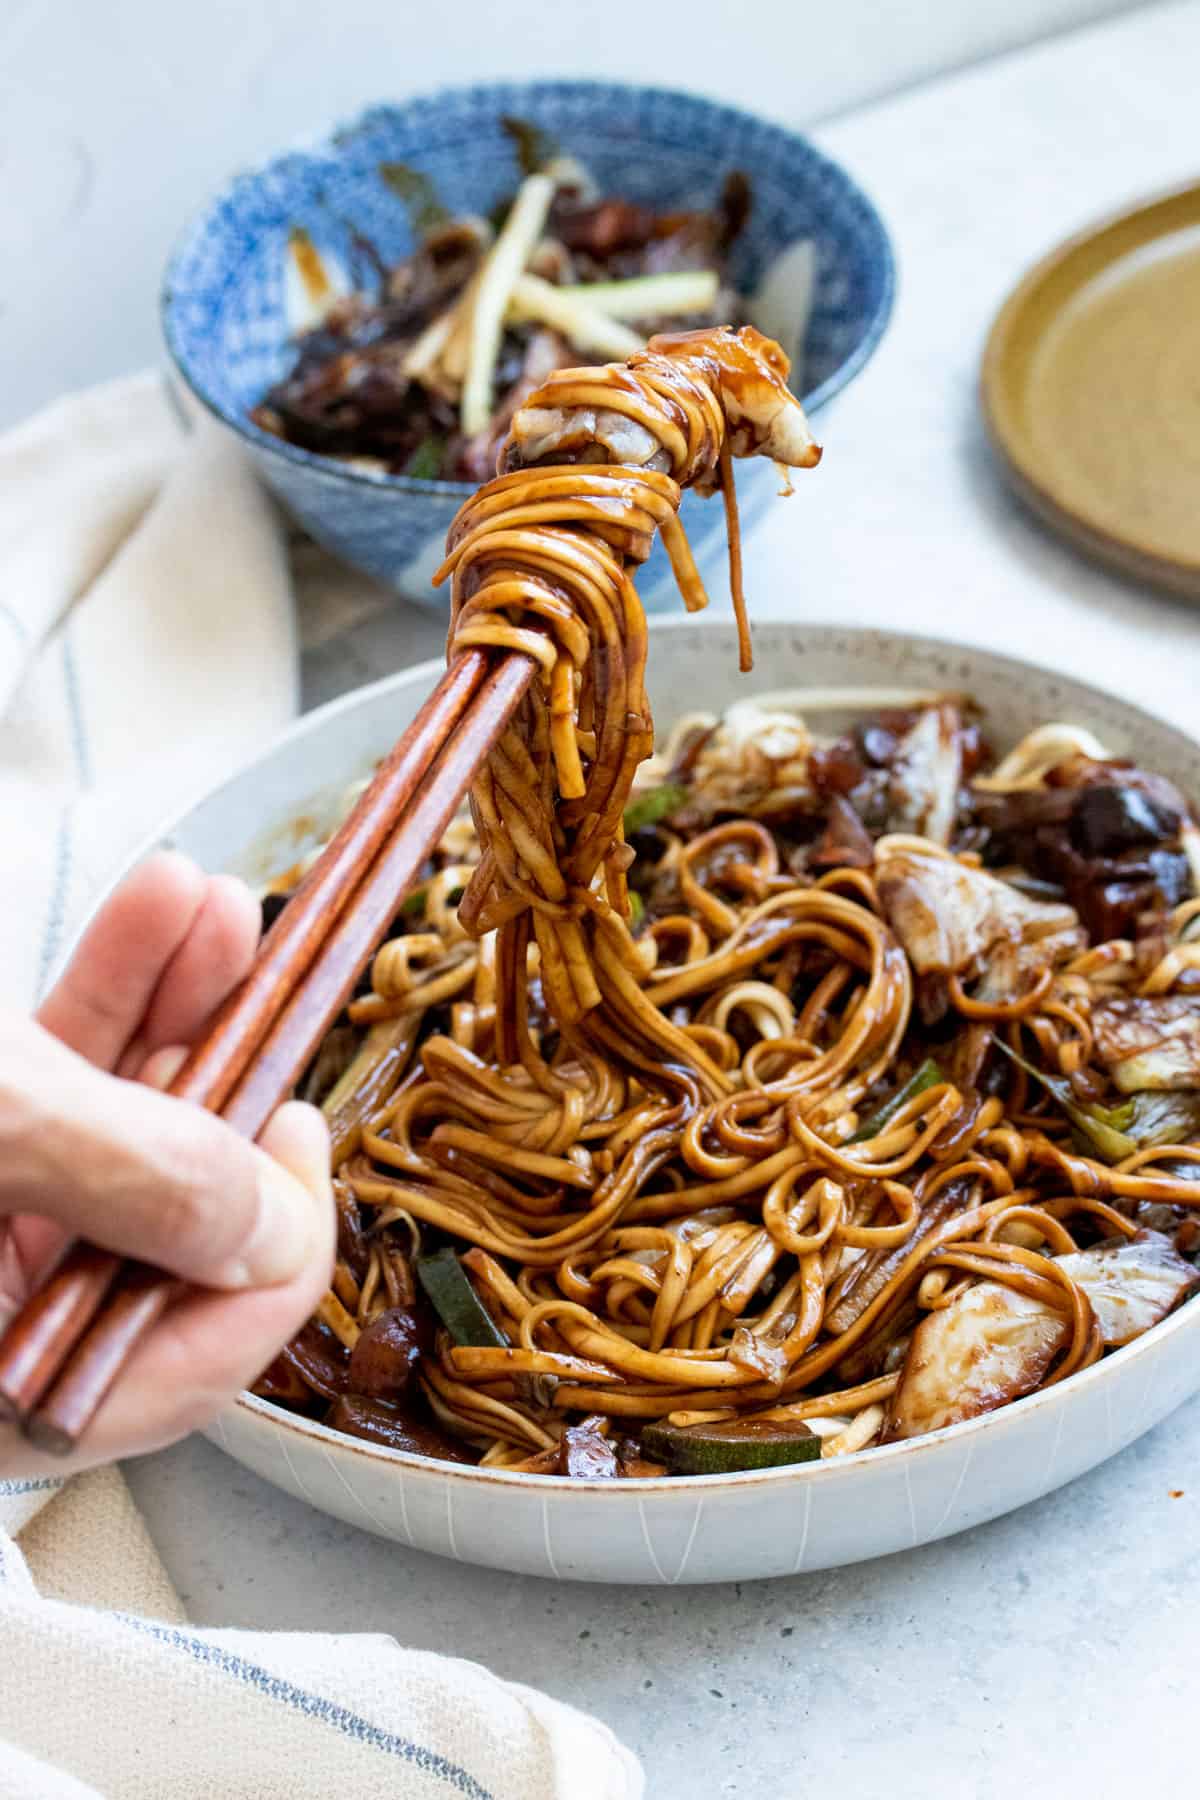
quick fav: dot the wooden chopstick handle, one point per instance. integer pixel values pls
(288, 1046)
(294, 941)
(283, 1027)
(50, 1323)
(138, 1299)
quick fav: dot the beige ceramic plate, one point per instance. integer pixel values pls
(1091, 390)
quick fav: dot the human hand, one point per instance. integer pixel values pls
(89, 1149)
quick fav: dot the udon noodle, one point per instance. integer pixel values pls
(821, 1132)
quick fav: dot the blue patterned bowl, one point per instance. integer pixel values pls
(224, 303)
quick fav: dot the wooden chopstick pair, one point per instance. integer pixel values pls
(61, 1353)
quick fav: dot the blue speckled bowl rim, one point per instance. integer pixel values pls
(728, 116)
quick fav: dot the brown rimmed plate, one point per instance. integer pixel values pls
(1091, 390)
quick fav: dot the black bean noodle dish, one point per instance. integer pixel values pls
(814, 1078)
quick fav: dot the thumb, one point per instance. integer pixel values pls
(297, 1138)
(135, 1171)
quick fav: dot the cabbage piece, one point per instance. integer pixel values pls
(425, 463)
(1163, 1118)
(988, 1347)
(1150, 1042)
(1132, 1283)
(948, 916)
(926, 774)
(754, 759)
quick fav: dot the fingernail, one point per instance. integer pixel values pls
(160, 1069)
(284, 1236)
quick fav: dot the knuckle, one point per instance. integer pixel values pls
(30, 1082)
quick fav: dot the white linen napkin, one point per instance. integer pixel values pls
(147, 646)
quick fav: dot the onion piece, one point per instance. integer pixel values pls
(424, 355)
(583, 324)
(381, 1060)
(856, 1435)
(331, 1312)
(540, 431)
(649, 296)
(1189, 842)
(504, 265)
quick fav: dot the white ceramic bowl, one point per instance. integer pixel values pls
(710, 1528)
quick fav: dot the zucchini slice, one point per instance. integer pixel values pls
(728, 1445)
(455, 1301)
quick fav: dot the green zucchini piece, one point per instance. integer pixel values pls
(456, 1303)
(729, 1445)
(926, 1076)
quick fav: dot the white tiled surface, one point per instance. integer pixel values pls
(118, 117)
(1046, 1654)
